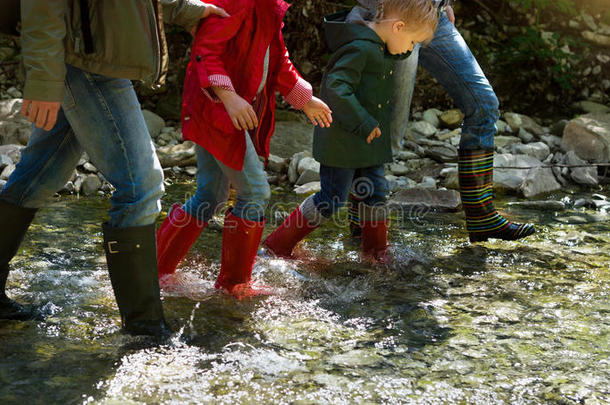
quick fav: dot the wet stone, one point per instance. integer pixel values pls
(435, 200)
(539, 205)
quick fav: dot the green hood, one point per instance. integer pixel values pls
(339, 33)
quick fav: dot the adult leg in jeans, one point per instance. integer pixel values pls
(107, 120)
(449, 60)
(102, 116)
(46, 163)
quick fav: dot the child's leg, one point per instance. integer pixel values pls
(335, 184)
(244, 224)
(373, 213)
(184, 224)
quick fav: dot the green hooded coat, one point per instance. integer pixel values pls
(358, 87)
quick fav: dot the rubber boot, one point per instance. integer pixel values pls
(476, 188)
(15, 222)
(132, 264)
(374, 224)
(175, 237)
(295, 228)
(240, 240)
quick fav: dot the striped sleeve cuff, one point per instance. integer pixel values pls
(221, 81)
(300, 94)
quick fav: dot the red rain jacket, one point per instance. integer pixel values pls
(230, 52)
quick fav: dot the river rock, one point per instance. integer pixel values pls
(436, 200)
(503, 127)
(558, 127)
(549, 205)
(581, 175)
(177, 155)
(422, 128)
(450, 135)
(525, 136)
(10, 108)
(277, 164)
(503, 141)
(427, 182)
(5, 160)
(431, 116)
(599, 39)
(511, 179)
(589, 136)
(293, 173)
(443, 153)
(154, 123)
(415, 148)
(309, 171)
(7, 171)
(308, 188)
(591, 107)
(398, 169)
(191, 170)
(552, 141)
(406, 155)
(518, 121)
(12, 151)
(91, 184)
(450, 177)
(539, 150)
(539, 181)
(452, 118)
(88, 167)
(15, 131)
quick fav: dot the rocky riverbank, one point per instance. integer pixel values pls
(533, 159)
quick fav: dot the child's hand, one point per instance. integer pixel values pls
(241, 112)
(376, 133)
(318, 112)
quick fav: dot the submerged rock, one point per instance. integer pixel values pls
(436, 200)
(549, 205)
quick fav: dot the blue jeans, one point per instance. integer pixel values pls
(101, 116)
(449, 60)
(368, 184)
(214, 179)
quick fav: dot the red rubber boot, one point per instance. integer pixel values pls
(375, 240)
(175, 237)
(240, 240)
(283, 240)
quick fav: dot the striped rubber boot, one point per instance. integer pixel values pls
(476, 188)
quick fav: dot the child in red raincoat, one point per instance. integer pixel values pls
(237, 64)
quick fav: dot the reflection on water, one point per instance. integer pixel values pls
(449, 322)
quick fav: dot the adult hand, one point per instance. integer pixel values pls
(450, 14)
(318, 112)
(376, 133)
(41, 113)
(210, 9)
(240, 111)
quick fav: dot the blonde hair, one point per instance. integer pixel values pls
(415, 13)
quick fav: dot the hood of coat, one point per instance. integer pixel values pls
(346, 26)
